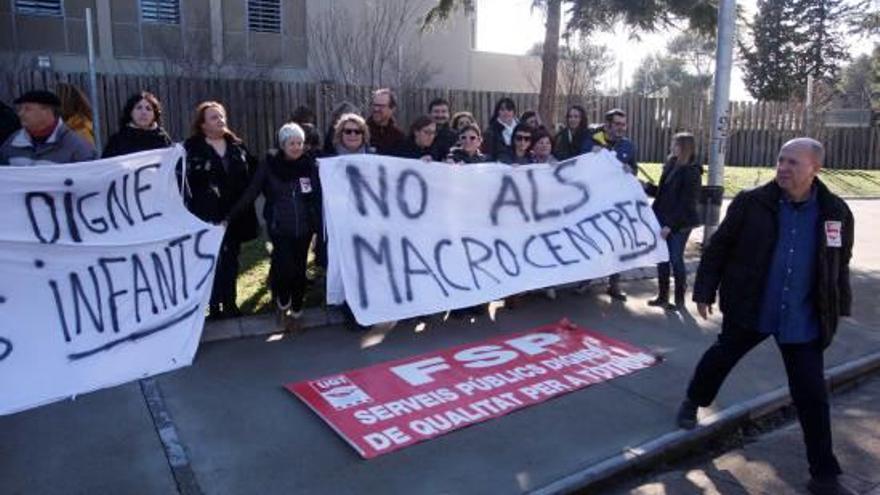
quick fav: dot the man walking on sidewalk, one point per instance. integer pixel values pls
(781, 259)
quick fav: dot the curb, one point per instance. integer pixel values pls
(263, 324)
(656, 449)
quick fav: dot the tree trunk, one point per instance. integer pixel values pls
(549, 63)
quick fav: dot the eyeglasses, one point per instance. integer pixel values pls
(351, 131)
(468, 138)
(523, 137)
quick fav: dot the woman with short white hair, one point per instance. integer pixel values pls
(289, 181)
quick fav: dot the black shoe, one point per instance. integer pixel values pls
(686, 418)
(828, 485)
(616, 294)
(661, 301)
(231, 311)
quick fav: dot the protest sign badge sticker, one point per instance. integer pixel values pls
(110, 276)
(305, 185)
(832, 234)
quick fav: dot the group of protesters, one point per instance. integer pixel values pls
(223, 178)
(780, 259)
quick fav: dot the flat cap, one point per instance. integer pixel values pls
(39, 96)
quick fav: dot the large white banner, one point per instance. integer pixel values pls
(104, 276)
(408, 238)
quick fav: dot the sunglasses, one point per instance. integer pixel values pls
(468, 138)
(352, 131)
(521, 137)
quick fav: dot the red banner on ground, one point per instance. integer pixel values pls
(391, 405)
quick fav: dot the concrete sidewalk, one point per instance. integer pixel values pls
(236, 430)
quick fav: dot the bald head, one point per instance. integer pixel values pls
(798, 164)
(809, 144)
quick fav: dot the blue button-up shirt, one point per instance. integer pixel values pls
(787, 311)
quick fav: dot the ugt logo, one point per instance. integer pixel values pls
(340, 392)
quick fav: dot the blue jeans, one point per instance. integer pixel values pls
(675, 242)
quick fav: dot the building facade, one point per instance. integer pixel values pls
(231, 38)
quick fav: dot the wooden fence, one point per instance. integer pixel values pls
(257, 108)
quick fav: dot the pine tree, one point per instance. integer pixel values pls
(822, 24)
(772, 58)
(793, 39)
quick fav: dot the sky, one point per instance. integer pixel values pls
(494, 17)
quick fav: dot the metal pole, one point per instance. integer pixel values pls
(720, 113)
(93, 82)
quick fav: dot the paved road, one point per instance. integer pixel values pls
(774, 463)
(240, 432)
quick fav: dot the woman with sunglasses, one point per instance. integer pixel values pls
(520, 152)
(468, 149)
(351, 136)
(421, 141)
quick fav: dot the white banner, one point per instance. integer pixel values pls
(104, 276)
(408, 238)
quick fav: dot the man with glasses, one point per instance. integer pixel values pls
(612, 136)
(385, 135)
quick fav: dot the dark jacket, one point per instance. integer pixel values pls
(292, 189)
(623, 148)
(9, 122)
(458, 155)
(444, 141)
(676, 195)
(385, 138)
(739, 255)
(133, 139)
(568, 144)
(409, 149)
(213, 189)
(494, 146)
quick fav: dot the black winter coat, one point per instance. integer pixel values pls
(739, 255)
(292, 189)
(9, 122)
(568, 145)
(409, 149)
(493, 142)
(213, 189)
(444, 141)
(458, 155)
(676, 195)
(132, 140)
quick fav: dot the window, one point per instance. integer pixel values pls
(264, 16)
(39, 7)
(160, 11)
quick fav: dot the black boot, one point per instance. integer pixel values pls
(662, 299)
(680, 291)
